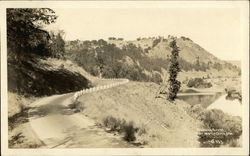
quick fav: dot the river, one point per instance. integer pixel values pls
(213, 101)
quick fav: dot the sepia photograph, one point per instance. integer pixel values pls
(133, 78)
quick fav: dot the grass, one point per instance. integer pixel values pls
(128, 129)
(20, 133)
(159, 122)
(18, 107)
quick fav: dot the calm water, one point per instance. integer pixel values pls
(204, 100)
(215, 101)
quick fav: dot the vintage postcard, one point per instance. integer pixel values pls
(124, 78)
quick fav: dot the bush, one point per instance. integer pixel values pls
(198, 83)
(156, 78)
(121, 126)
(232, 94)
(197, 111)
(130, 131)
(155, 42)
(114, 124)
(218, 119)
(219, 127)
(223, 128)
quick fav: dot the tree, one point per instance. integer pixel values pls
(174, 69)
(57, 45)
(100, 62)
(24, 31)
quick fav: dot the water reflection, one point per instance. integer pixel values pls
(204, 100)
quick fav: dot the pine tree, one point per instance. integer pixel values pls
(174, 69)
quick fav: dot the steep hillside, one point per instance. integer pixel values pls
(38, 77)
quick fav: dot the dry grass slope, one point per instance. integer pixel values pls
(166, 124)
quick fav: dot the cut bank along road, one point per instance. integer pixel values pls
(59, 126)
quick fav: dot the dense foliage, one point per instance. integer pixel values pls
(108, 61)
(28, 42)
(25, 35)
(174, 69)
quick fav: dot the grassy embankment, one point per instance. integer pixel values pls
(133, 111)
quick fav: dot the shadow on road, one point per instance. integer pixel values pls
(41, 111)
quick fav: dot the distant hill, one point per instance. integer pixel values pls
(158, 47)
(145, 59)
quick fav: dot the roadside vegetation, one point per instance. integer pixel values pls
(127, 129)
(28, 45)
(30, 75)
(219, 128)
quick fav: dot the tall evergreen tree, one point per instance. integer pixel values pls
(174, 69)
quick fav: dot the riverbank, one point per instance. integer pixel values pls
(218, 85)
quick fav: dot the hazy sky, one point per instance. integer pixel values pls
(216, 30)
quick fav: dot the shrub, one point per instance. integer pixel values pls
(156, 78)
(155, 42)
(114, 124)
(223, 123)
(219, 127)
(147, 49)
(198, 83)
(121, 126)
(218, 119)
(130, 131)
(232, 94)
(197, 111)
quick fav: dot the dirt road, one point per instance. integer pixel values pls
(58, 125)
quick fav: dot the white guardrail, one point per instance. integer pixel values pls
(94, 89)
